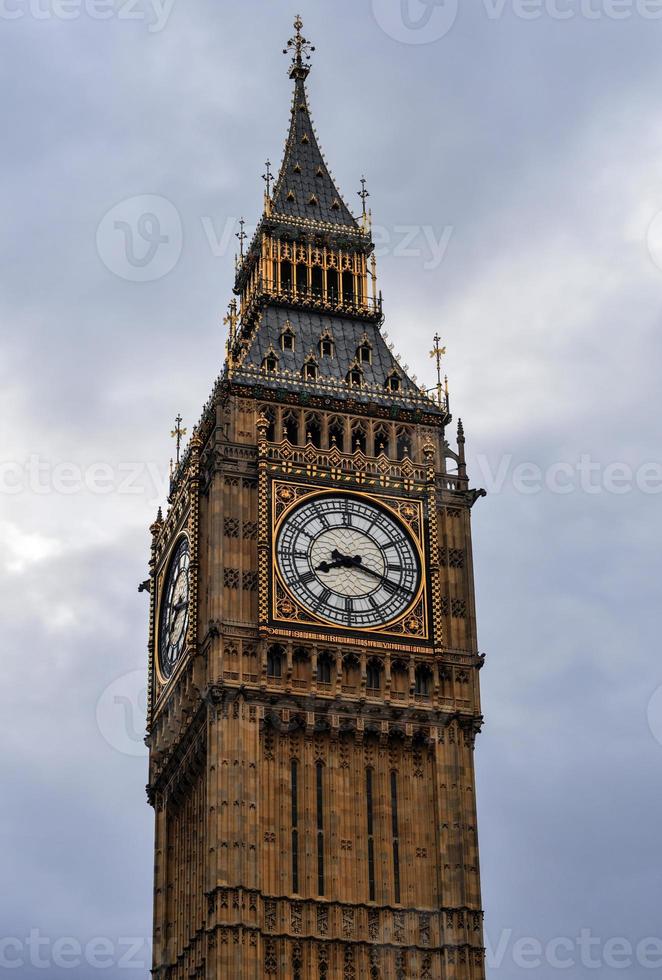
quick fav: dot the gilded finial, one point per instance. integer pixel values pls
(438, 352)
(301, 48)
(177, 433)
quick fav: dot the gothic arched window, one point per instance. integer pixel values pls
(348, 287)
(275, 662)
(317, 281)
(324, 665)
(314, 430)
(382, 439)
(374, 676)
(404, 444)
(423, 678)
(291, 427)
(364, 353)
(310, 370)
(287, 341)
(359, 439)
(355, 377)
(337, 434)
(286, 275)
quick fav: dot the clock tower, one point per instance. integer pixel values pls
(313, 661)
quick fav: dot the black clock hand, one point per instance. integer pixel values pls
(339, 561)
(346, 561)
(358, 563)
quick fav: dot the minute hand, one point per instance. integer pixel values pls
(382, 578)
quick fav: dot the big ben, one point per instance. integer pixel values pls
(313, 661)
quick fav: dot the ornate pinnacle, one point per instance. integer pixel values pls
(242, 236)
(177, 434)
(363, 194)
(438, 352)
(301, 48)
(268, 177)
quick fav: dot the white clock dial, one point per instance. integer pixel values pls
(174, 610)
(348, 561)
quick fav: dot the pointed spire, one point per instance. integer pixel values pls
(302, 49)
(304, 187)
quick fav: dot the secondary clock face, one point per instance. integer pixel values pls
(174, 610)
(348, 561)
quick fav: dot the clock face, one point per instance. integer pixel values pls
(174, 610)
(348, 561)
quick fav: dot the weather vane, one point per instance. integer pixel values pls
(177, 434)
(301, 47)
(438, 352)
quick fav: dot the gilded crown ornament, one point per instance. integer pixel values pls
(302, 49)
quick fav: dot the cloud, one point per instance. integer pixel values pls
(539, 144)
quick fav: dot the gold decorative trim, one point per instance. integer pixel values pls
(284, 607)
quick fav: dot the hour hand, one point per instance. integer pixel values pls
(325, 566)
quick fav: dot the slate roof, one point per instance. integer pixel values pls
(304, 176)
(347, 335)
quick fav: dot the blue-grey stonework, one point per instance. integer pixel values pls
(304, 176)
(347, 334)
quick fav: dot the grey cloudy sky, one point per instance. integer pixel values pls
(525, 137)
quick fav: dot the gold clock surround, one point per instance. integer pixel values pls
(284, 607)
(162, 580)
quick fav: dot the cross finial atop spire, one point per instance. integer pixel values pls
(437, 353)
(177, 433)
(301, 48)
